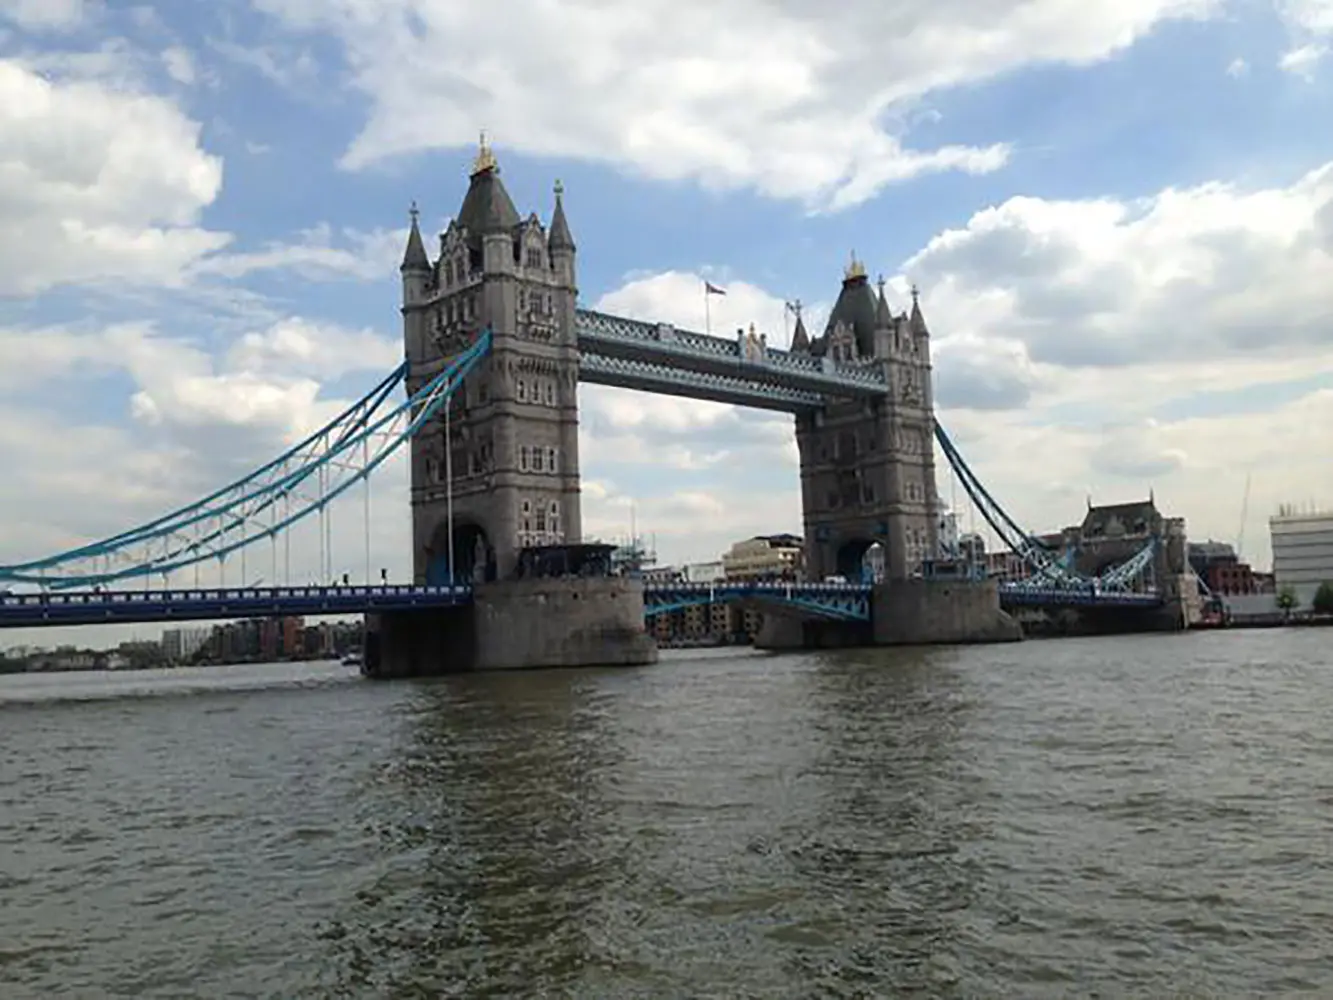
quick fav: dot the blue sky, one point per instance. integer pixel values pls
(1120, 213)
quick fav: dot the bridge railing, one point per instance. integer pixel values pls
(246, 594)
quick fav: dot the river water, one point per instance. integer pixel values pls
(1146, 816)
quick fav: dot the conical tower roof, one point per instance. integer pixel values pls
(560, 237)
(883, 315)
(800, 340)
(414, 257)
(855, 308)
(917, 322)
(487, 207)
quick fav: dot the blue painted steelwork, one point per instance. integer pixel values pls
(647, 376)
(1050, 572)
(1015, 594)
(838, 601)
(109, 607)
(616, 351)
(340, 455)
(683, 350)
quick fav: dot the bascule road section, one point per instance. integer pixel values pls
(495, 348)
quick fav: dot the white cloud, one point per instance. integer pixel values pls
(688, 524)
(775, 94)
(1180, 276)
(317, 255)
(297, 346)
(179, 64)
(1311, 24)
(97, 185)
(1301, 61)
(290, 68)
(1237, 68)
(267, 382)
(38, 15)
(1315, 16)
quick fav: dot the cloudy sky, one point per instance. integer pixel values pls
(1120, 214)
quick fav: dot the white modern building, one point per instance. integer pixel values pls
(1302, 551)
(179, 644)
(705, 572)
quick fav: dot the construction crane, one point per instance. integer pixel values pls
(1244, 510)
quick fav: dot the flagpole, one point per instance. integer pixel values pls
(708, 312)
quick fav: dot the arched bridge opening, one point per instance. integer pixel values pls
(473, 555)
(861, 561)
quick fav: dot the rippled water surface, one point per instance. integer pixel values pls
(1145, 816)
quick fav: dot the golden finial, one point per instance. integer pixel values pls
(559, 188)
(916, 294)
(413, 212)
(485, 158)
(855, 269)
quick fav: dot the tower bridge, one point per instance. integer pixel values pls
(495, 347)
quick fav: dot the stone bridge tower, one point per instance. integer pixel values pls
(511, 450)
(868, 467)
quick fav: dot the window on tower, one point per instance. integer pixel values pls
(550, 460)
(525, 520)
(550, 393)
(537, 464)
(553, 518)
(541, 518)
(522, 390)
(523, 458)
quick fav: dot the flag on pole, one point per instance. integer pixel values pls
(712, 289)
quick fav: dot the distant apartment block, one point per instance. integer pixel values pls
(180, 644)
(765, 557)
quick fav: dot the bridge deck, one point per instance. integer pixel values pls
(120, 606)
(830, 600)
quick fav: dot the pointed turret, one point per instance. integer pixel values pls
(883, 317)
(560, 237)
(800, 340)
(917, 323)
(414, 257)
